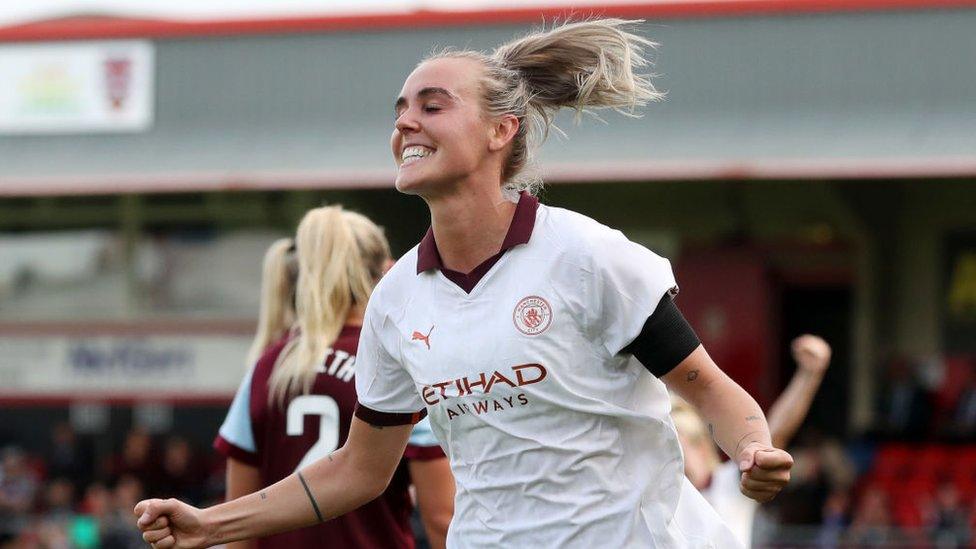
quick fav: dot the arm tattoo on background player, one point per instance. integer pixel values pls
(692, 375)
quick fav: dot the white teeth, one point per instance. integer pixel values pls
(415, 152)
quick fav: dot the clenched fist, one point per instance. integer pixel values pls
(765, 471)
(170, 523)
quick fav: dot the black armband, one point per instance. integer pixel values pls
(665, 340)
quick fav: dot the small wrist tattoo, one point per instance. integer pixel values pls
(753, 418)
(264, 496)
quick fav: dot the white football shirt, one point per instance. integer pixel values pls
(554, 437)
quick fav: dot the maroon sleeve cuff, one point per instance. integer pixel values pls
(423, 453)
(229, 450)
(386, 419)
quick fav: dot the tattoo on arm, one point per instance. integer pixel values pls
(315, 505)
(692, 376)
(264, 496)
(711, 431)
(743, 439)
(753, 418)
(330, 456)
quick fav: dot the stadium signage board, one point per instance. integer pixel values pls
(76, 87)
(122, 366)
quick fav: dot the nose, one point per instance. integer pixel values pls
(407, 122)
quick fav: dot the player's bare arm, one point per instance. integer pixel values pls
(736, 422)
(356, 474)
(242, 479)
(812, 356)
(435, 497)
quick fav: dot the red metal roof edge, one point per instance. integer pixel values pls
(93, 27)
(944, 167)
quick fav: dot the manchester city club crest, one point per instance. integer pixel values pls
(532, 315)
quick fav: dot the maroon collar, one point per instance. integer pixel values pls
(519, 232)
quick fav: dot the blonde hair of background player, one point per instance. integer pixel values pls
(279, 273)
(581, 65)
(701, 454)
(341, 257)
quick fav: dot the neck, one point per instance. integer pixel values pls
(470, 225)
(356, 314)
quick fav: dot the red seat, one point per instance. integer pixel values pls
(933, 461)
(892, 460)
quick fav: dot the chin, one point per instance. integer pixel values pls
(409, 185)
(418, 182)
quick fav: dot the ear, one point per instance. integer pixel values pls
(502, 132)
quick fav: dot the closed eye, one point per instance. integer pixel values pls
(398, 111)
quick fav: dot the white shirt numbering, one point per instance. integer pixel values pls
(555, 439)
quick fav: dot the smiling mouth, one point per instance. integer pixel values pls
(414, 154)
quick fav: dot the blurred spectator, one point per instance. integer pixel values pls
(964, 416)
(872, 524)
(118, 529)
(18, 488)
(96, 501)
(180, 476)
(93, 513)
(135, 460)
(835, 519)
(58, 501)
(67, 458)
(821, 467)
(948, 520)
(904, 407)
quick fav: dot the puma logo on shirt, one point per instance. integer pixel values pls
(417, 336)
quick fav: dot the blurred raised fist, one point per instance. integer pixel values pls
(811, 353)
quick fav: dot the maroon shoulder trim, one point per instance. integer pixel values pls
(423, 453)
(229, 450)
(387, 419)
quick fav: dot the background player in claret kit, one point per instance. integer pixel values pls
(718, 481)
(294, 408)
(558, 429)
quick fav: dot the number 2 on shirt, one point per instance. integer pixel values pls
(328, 410)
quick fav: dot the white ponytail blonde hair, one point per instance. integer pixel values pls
(279, 272)
(579, 65)
(341, 256)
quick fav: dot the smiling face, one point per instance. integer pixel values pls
(440, 137)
